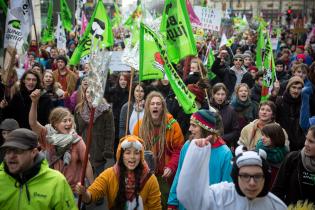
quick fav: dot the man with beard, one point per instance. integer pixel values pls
(27, 179)
(288, 112)
(163, 136)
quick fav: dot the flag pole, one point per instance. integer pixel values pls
(129, 100)
(35, 31)
(86, 155)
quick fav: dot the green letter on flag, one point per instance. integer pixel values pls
(184, 97)
(176, 30)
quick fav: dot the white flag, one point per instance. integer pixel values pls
(23, 10)
(13, 34)
(223, 40)
(60, 35)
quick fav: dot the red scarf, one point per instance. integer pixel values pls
(130, 180)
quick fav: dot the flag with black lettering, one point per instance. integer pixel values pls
(99, 28)
(23, 10)
(176, 31)
(13, 34)
(48, 34)
(184, 97)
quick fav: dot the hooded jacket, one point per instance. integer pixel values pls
(40, 188)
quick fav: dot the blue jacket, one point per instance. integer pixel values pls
(307, 106)
(219, 167)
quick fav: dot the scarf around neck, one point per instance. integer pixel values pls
(308, 162)
(131, 179)
(61, 140)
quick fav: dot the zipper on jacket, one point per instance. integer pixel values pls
(20, 195)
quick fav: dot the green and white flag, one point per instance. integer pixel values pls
(66, 16)
(151, 63)
(208, 62)
(259, 47)
(176, 31)
(269, 72)
(13, 34)
(184, 97)
(48, 34)
(99, 28)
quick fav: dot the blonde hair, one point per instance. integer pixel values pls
(238, 87)
(147, 126)
(57, 115)
(201, 67)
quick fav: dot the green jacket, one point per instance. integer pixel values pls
(47, 190)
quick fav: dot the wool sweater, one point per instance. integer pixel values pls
(174, 142)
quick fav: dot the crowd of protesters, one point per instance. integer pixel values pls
(165, 158)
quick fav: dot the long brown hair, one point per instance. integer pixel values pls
(147, 126)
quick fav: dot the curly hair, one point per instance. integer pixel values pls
(120, 200)
(147, 126)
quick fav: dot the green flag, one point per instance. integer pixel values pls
(99, 28)
(210, 61)
(117, 17)
(184, 97)
(48, 32)
(269, 72)
(65, 15)
(259, 47)
(4, 6)
(176, 31)
(151, 63)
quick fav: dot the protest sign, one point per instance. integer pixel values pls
(210, 18)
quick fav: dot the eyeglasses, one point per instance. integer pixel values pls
(238, 59)
(247, 177)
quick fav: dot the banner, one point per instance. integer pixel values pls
(176, 31)
(61, 35)
(13, 34)
(184, 97)
(151, 63)
(65, 14)
(23, 10)
(99, 28)
(269, 72)
(47, 34)
(210, 18)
